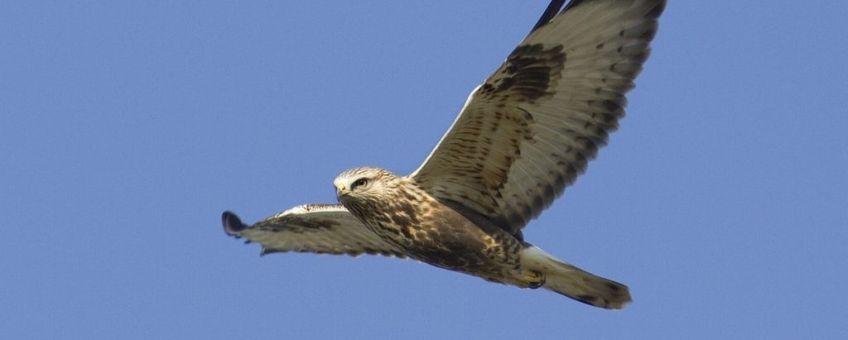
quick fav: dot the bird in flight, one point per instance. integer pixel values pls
(522, 136)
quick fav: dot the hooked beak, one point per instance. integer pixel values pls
(341, 190)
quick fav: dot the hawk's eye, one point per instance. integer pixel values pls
(359, 182)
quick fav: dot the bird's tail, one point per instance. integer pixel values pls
(574, 282)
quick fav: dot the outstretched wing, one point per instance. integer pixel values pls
(311, 228)
(530, 129)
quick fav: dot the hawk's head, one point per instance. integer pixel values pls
(363, 184)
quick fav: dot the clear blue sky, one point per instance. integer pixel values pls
(126, 128)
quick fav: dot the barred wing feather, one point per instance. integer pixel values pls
(312, 228)
(531, 128)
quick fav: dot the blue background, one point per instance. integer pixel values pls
(126, 128)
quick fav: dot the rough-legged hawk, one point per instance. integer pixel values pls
(523, 135)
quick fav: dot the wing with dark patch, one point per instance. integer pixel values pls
(530, 129)
(314, 228)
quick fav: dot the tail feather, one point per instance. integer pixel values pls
(574, 282)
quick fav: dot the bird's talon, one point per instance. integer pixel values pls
(537, 281)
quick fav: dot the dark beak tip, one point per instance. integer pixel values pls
(232, 224)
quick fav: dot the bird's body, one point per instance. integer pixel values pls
(402, 213)
(428, 231)
(522, 136)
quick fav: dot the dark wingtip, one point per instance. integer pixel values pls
(655, 13)
(550, 13)
(232, 224)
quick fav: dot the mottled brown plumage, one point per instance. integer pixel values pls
(523, 135)
(400, 212)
